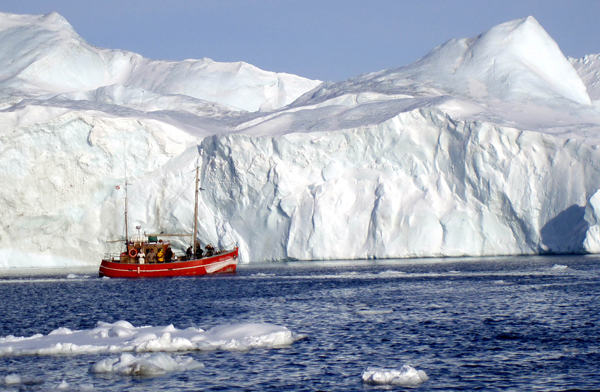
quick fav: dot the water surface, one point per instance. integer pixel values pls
(515, 323)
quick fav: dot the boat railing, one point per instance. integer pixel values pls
(115, 257)
(118, 257)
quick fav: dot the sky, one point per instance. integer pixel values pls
(319, 39)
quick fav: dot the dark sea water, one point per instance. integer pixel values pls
(510, 324)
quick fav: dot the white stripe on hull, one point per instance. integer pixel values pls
(214, 267)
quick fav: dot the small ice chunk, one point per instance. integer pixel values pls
(75, 276)
(12, 379)
(145, 365)
(391, 273)
(407, 376)
(559, 267)
(368, 311)
(63, 386)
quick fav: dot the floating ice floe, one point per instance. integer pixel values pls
(63, 386)
(75, 276)
(26, 383)
(12, 379)
(121, 336)
(391, 273)
(369, 311)
(559, 267)
(406, 376)
(145, 365)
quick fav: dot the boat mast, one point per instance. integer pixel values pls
(196, 212)
(126, 229)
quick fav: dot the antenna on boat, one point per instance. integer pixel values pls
(196, 211)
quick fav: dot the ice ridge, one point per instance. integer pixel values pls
(514, 61)
(43, 56)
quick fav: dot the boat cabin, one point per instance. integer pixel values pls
(143, 249)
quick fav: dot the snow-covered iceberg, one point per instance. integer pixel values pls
(485, 146)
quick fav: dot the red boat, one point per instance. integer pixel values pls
(146, 256)
(124, 266)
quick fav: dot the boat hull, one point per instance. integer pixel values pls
(217, 264)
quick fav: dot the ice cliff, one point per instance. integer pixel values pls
(485, 146)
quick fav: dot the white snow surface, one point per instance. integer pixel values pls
(485, 146)
(121, 336)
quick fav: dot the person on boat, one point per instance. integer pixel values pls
(199, 251)
(210, 250)
(188, 253)
(142, 257)
(161, 256)
(168, 255)
(151, 256)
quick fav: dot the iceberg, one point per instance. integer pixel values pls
(485, 146)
